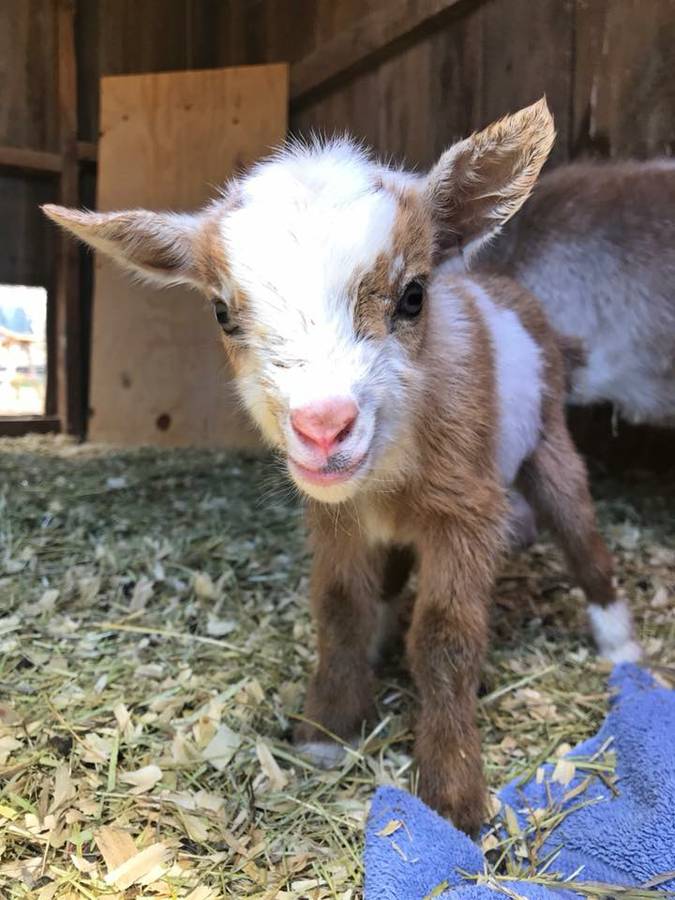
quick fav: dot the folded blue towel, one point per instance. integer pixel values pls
(614, 830)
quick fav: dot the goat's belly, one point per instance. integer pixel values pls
(518, 366)
(639, 382)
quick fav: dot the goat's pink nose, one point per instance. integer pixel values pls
(325, 422)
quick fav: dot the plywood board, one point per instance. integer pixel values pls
(167, 141)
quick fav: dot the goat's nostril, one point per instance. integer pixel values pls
(344, 434)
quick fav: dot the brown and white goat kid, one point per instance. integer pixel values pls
(406, 401)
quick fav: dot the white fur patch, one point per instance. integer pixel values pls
(308, 223)
(612, 628)
(518, 365)
(324, 754)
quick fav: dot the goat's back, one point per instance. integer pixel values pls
(596, 244)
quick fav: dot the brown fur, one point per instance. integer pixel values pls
(489, 175)
(209, 260)
(378, 290)
(554, 479)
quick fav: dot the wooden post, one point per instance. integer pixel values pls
(68, 346)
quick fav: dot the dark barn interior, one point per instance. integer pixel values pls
(154, 627)
(407, 78)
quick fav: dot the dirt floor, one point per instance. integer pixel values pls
(154, 648)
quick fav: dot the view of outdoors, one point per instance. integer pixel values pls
(23, 350)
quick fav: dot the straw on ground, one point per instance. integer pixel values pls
(154, 648)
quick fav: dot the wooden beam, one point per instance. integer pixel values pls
(43, 162)
(369, 35)
(24, 160)
(68, 346)
(87, 151)
(16, 426)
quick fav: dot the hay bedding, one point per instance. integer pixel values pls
(154, 647)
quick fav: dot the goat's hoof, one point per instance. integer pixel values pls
(628, 652)
(612, 627)
(324, 754)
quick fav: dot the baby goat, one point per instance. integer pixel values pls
(405, 399)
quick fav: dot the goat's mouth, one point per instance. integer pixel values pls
(336, 471)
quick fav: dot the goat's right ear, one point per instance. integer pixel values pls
(161, 247)
(479, 183)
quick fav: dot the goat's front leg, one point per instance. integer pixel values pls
(346, 582)
(446, 646)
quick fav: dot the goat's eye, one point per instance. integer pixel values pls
(412, 299)
(222, 314)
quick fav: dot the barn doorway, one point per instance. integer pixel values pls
(23, 350)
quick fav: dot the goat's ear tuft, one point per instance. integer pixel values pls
(160, 247)
(479, 183)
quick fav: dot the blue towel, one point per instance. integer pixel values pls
(617, 830)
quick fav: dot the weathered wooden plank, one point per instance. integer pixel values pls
(367, 35)
(624, 86)
(413, 103)
(158, 371)
(28, 116)
(17, 426)
(87, 48)
(589, 26)
(527, 51)
(245, 32)
(496, 56)
(27, 120)
(66, 81)
(87, 151)
(23, 159)
(68, 347)
(117, 37)
(28, 241)
(230, 34)
(333, 18)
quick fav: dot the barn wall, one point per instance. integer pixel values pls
(27, 119)
(480, 61)
(605, 65)
(408, 76)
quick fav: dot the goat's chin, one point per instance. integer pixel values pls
(333, 494)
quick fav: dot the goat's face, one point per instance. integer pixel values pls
(325, 317)
(317, 264)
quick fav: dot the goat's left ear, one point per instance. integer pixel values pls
(479, 183)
